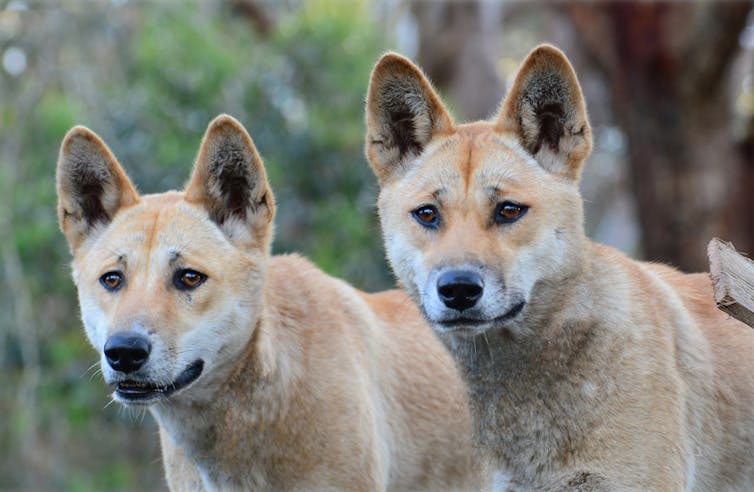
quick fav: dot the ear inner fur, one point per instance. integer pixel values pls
(403, 114)
(545, 109)
(233, 178)
(406, 115)
(229, 179)
(91, 185)
(550, 124)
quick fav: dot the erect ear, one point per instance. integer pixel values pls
(230, 182)
(545, 110)
(402, 114)
(91, 186)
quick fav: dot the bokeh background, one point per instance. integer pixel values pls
(669, 87)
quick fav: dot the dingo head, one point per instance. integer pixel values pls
(170, 285)
(477, 217)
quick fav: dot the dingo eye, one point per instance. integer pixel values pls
(112, 281)
(507, 212)
(188, 279)
(427, 216)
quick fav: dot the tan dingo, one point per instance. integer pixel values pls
(263, 372)
(587, 370)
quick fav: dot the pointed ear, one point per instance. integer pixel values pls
(545, 110)
(230, 182)
(91, 186)
(403, 113)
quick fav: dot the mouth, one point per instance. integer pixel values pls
(134, 391)
(461, 323)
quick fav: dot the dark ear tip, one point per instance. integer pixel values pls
(392, 62)
(390, 68)
(547, 49)
(391, 57)
(79, 133)
(224, 122)
(81, 139)
(227, 125)
(547, 56)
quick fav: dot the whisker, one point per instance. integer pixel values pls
(96, 363)
(489, 348)
(97, 372)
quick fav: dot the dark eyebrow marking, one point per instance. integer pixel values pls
(438, 193)
(174, 256)
(493, 192)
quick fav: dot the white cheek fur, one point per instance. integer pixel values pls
(540, 260)
(211, 337)
(407, 262)
(95, 322)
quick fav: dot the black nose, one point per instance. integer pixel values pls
(460, 289)
(127, 351)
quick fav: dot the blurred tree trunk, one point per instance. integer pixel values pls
(456, 42)
(666, 64)
(744, 199)
(256, 14)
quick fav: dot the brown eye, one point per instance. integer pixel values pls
(188, 279)
(508, 212)
(427, 216)
(112, 281)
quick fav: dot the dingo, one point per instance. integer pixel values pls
(262, 372)
(586, 370)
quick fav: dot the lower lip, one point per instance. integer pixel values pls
(461, 323)
(146, 394)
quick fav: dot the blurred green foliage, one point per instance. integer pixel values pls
(148, 77)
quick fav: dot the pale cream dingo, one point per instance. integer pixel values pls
(586, 370)
(262, 372)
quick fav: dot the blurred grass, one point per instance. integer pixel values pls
(148, 77)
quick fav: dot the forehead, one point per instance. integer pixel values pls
(161, 225)
(499, 160)
(474, 159)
